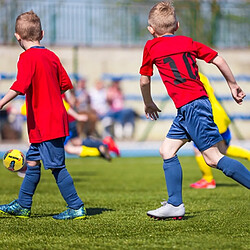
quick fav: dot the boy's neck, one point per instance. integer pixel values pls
(28, 44)
(166, 34)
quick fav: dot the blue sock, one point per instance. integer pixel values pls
(235, 170)
(66, 186)
(173, 176)
(28, 187)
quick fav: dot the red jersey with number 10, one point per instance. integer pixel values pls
(41, 77)
(175, 58)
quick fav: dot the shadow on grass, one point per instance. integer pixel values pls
(97, 210)
(186, 217)
(226, 184)
(194, 214)
(6, 216)
(90, 212)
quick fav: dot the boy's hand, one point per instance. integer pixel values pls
(236, 91)
(151, 111)
(238, 94)
(82, 118)
(11, 94)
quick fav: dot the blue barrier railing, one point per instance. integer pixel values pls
(136, 77)
(162, 98)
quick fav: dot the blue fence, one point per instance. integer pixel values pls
(222, 23)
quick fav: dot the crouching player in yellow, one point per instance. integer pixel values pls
(222, 121)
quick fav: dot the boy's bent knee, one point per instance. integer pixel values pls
(33, 163)
(212, 156)
(166, 155)
(210, 162)
(170, 147)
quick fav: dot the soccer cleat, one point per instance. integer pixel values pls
(167, 211)
(72, 214)
(104, 151)
(15, 209)
(203, 184)
(111, 145)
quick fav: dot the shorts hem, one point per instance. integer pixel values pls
(178, 138)
(210, 145)
(53, 167)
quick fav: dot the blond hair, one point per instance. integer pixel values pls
(28, 26)
(162, 18)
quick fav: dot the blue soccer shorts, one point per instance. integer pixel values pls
(51, 153)
(194, 121)
(226, 137)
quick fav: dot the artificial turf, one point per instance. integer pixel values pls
(117, 196)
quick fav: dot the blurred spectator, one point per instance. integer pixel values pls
(98, 99)
(124, 118)
(82, 106)
(82, 96)
(11, 122)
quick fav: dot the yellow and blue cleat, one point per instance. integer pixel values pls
(15, 209)
(72, 214)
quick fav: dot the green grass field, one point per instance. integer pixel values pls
(117, 196)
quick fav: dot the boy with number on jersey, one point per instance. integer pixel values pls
(175, 57)
(42, 78)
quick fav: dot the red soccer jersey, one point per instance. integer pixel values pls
(42, 78)
(175, 58)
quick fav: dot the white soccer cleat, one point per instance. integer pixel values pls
(167, 211)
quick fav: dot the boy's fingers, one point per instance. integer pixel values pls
(154, 116)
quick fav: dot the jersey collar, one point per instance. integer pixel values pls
(168, 36)
(37, 47)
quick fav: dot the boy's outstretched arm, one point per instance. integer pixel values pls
(11, 94)
(237, 93)
(151, 110)
(78, 117)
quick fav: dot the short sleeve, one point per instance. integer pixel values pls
(147, 63)
(204, 52)
(25, 71)
(64, 80)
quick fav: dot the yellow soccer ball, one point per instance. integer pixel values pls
(14, 160)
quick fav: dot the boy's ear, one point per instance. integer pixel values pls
(42, 34)
(18, 38)
(151, 30)
(177, 26)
